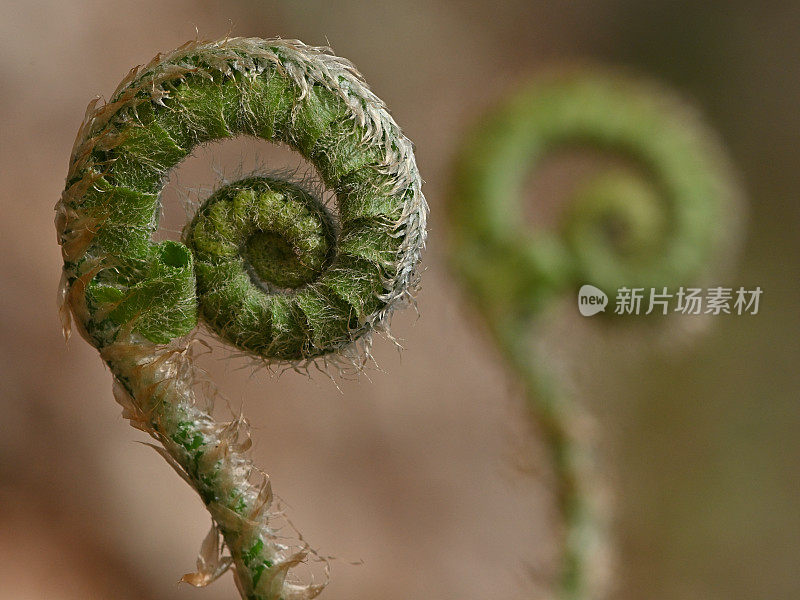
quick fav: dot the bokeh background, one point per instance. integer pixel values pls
(422, 479)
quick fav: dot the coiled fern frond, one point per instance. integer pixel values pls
(666, 215)
(264, 264)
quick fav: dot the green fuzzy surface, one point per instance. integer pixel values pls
(272, 277)
(269, 277)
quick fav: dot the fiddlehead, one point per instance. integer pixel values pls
(665, 218)
(264, 264)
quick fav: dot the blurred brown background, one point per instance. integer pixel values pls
(412, 470)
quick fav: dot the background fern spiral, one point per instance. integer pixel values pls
(667, 216)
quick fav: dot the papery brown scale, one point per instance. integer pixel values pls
(263, 501)
(75, 298)
(231, 521)
(64, 314)
(210, 562)
(170, 460)
(75, 242)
